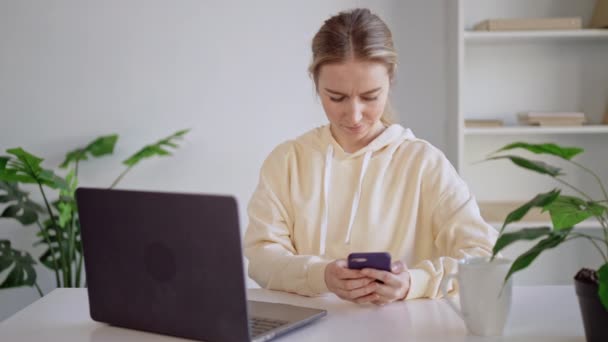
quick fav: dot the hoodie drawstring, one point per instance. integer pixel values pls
(355, 205)
(329, 156)
(326, 187)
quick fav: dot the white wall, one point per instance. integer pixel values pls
(234, 72)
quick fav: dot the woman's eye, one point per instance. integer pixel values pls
(369, 99)
(337, 99)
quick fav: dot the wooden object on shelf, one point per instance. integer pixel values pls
(497, 211)
(551, 119)
(519, 24)
(600, 15)
(475, 123)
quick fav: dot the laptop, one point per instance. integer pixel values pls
(172, 263)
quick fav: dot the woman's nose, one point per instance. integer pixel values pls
(354, 111)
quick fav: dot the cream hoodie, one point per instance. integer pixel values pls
(316, 203)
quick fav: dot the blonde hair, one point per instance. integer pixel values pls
(355, 34)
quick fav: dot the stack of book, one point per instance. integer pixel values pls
(518, 24)
(600, 15)
(552, 118)
(477, 123)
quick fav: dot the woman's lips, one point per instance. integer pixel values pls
(354, 129)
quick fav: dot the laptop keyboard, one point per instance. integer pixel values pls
(261, 325)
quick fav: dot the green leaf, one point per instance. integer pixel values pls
(48, 178)
(99, 147)
(21, 214)
(603, 288)
(3, 161)
(65, 214)
(533, 165)
(12, 175)
(60, 249)
(26, 169)
(27, 158)
(156, 149)
(539, 201)
(567, 211)
(21, 207)
(548, 148)
(506, 239)
(59, 240)
(21, 266)
(525, 259)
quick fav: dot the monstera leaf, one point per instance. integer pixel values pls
(20, 264)
(19, 207)
(157, 149)
(101, 146)
(25, 167)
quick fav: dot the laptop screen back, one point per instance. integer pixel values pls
(164, 262)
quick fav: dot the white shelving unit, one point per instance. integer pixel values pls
(533, 36)
(524, 130)
(495, 75)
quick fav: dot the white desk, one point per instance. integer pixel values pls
(547, 313)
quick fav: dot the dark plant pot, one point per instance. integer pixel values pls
(595, 316)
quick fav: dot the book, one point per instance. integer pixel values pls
(600, 15)
(552, 118)
(563, 115)
(471, 123)
(519, 24)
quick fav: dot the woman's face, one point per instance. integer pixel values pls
(354, 96)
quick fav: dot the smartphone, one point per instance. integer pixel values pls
(377, 260)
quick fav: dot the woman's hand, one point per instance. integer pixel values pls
(396, 283)
(349, 284)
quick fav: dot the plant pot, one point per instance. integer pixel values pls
(595, 316)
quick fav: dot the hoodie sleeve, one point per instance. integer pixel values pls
(459, 231)
(273, 260)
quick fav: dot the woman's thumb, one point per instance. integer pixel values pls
(398, 267)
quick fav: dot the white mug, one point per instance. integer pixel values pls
(484, 301)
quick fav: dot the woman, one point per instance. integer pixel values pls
(359, 184)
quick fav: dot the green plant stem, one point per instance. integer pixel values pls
(59, 238)
(120, 177)
(573, 188)
(73, 232)
(79, 270)
(39, 290)
(76, 168)
(48, 241)
(592, 240)
(71, 249)
(599, 181)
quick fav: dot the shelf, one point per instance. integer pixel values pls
(478, 37)
(511, 130)
(593, 224)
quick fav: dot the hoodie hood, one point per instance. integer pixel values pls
(321, 137)
(322, 140)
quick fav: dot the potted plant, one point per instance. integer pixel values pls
(57, 221)
(566, 212)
